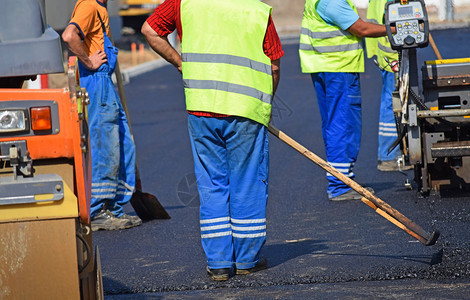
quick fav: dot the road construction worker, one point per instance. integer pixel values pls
(112, 147)
(331, 50)
(229, 82)
(380, 48)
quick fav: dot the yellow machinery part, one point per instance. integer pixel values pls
(447, 61)
(66, 208)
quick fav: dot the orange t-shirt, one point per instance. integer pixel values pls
(85, 18)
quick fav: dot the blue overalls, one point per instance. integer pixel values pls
(339, 100)
(112, 147)
(387, 127)
(231, 158)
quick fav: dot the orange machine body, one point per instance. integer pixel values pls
(67, 139)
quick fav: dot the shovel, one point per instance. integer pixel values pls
(146, 205)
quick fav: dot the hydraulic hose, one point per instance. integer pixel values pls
(401, 135)
(88, 253)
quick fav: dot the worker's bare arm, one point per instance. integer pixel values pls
(276, 70)
(71, 37)
(161, 45)
(362, 28)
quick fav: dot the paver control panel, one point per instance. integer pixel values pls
(410, 20)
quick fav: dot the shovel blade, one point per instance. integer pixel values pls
(147, 206)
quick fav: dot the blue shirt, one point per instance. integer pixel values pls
(337, 12)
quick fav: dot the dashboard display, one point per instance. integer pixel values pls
(403, 11)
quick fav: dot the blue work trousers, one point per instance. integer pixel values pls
(231, 160)
(387, 126)
(112, 147)
(339, 100)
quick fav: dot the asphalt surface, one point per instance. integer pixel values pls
(316, 248)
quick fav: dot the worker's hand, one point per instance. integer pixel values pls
(97, 59)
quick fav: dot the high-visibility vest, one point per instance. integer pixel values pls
(379, 46)
(225, 69)
(328, 48)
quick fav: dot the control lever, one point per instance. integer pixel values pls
(409, 40)
(21, 164)
(378, 65)
(393, 65)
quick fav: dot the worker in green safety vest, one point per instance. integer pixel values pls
(229, 82)
(331, 50)
(387, 62)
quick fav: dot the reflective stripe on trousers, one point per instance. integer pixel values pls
(387, 127)
(339, 100)
(231, 164)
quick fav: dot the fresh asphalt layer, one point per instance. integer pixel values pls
(316, 248)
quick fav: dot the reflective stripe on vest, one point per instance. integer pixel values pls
(386, 48)
(324, 35)
(228, 87)
(327, 35)
(379, 46)
(224, 68)
(328, 48)
(227, 59)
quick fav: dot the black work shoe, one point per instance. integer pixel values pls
(219, 274)
(350, 195)
(135, 220)
(105, 220)
(262, 264)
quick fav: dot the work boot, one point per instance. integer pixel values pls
(350, 195)
(105, 220)
(135, 220)
(219, 274)
(262, 264)
(391, 165)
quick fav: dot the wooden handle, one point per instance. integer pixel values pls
(393, 220)
(410, 225)
(434, 47)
